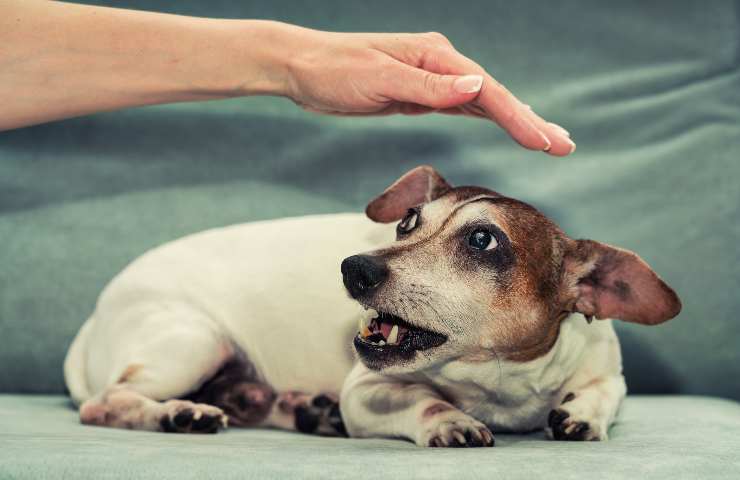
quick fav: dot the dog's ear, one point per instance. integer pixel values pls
(420, 185)
(608, 282)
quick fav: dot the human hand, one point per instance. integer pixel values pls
(380, 74)
(146, 58)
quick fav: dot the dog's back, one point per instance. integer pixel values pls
(271, 288)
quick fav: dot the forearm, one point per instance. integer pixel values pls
(377, 406)
(61, 60)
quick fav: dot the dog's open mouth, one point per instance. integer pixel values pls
(388, 335)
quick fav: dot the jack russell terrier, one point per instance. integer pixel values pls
(475, 318)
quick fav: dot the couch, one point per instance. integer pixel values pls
(650, 92)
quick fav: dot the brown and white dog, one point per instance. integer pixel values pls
(476, 318)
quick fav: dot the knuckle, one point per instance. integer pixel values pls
(431, 83)
(438, 38)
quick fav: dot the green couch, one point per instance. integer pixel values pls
(650, 92)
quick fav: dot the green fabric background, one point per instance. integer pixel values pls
(649, 90)
(651, 94)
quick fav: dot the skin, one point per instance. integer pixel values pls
(50, 69)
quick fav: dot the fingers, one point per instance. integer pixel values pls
(503, 108)
(407, 84)
(497, 103)
(562, 145)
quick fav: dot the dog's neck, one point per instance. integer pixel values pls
(509, 381)
(544, 344)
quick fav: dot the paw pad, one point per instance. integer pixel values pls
(193, 418)
(321, 415)
(564, 428)
(458, 433)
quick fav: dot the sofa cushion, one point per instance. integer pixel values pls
(655, 437)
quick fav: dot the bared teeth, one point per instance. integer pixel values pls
(364, 331)
(393, 336)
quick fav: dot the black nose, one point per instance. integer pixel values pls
(362, 274)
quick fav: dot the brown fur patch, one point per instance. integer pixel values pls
(531, 303)
(614, 283)
(129, 372)
(420, 185)
(236, 390)
(532, 284)
(435, 408)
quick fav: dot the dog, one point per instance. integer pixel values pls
(472, 315)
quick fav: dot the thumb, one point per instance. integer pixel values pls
(414, 85)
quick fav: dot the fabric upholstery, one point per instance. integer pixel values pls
(655, 437)
(650, 92)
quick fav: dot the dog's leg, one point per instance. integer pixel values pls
(237, 390)
(249, 402)
(163, 366)
(585, 413)
(378, 406)
(121, 406)
(588, 402)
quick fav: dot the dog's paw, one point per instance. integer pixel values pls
(317, 414)
(245, 403)
(455, 429)
(571, 422)
(182, 416)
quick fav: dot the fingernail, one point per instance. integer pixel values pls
(572, 147)
(560, 129)
(549, 144)
(468, 84)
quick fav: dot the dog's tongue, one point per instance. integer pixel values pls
(385, 329)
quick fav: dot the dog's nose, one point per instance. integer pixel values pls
(362, 274)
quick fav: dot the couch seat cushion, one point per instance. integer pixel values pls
(655, 437)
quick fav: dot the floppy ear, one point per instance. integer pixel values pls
(609, 282)
(420, 185)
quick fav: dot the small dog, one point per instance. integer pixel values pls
(476, 318)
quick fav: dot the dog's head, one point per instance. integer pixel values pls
(474, 274)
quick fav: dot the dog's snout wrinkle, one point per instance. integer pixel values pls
(362, 274)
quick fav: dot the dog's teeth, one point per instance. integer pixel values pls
(363, 327)
(393, 336)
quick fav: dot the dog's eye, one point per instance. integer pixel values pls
(409, 222)
(482, 240)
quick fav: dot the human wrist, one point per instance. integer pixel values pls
(253, 56)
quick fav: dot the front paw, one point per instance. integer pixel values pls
(456, 430)
(572, 425)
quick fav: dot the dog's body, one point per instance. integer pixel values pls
(252, 320)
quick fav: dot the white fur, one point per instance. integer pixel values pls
(273, 290)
